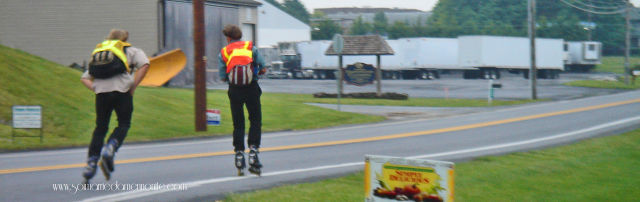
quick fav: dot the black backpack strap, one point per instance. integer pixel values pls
(124, 50)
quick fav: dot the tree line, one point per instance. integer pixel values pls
(452, 18)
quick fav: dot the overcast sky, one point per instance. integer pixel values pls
(424, 5)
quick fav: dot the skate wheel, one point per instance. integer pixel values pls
(256, 171)
(104, 169)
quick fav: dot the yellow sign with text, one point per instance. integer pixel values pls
(401, 179)
(425, 179)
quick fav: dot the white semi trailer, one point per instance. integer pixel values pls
(414, 58)
(312, 58)
(476, 56)
(489, 54)
(582, 56)
(420, 58)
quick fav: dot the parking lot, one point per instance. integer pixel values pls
(451, 86)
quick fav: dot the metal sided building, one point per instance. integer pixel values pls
(66, 31)
(178, 31)
(278, 26)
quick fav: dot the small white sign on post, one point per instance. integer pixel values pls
(27, 116)
(401, 179)
(213, 117)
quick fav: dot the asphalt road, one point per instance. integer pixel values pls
(205, 167)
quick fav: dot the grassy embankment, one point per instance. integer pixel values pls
(159, 113)
(601, 169)
(613, 64)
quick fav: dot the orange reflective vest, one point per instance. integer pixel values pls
(237, 53)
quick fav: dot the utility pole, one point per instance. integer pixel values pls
(627, 48)
(339, 78)
(199, 62)
(532, 38)
(589, 25)
(378, 77)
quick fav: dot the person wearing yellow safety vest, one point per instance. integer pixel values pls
(243, 52)
(113, 93)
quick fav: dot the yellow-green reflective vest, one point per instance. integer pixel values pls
(116, 47)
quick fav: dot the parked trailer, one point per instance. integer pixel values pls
(313, 59)
(489, 54)
(582, 56)
(430, 56)
(414, 58)
(323, 66)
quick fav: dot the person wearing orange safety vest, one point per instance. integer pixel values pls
(243, 52)
(113, 93)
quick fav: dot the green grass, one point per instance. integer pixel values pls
(615, 64)
(611, 64)
(601, 169)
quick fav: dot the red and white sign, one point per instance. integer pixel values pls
(213, 117)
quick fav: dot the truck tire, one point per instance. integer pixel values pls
(395, 75)
(424, 75)
(543, 74)
(556, 74)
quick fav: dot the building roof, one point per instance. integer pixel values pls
(364, 10)
(276, 26)
(363, 45)
(236, 2)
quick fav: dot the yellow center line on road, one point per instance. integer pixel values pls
(330, 143)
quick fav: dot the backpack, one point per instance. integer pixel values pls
(241, 75)
(105, 64)
(237, 56)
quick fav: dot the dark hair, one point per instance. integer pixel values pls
(232, 31)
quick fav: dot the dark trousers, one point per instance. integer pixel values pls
(238, 97)
(106, 103)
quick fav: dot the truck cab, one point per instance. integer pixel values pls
(582, 56)
(276, 71)
(291, 60)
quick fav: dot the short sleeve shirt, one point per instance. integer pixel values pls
(122, 82)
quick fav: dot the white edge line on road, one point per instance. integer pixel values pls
(141, 193)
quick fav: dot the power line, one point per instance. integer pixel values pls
(592, 8)
(607, 5)
(606, 2)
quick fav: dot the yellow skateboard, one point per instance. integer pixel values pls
(164, 67)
